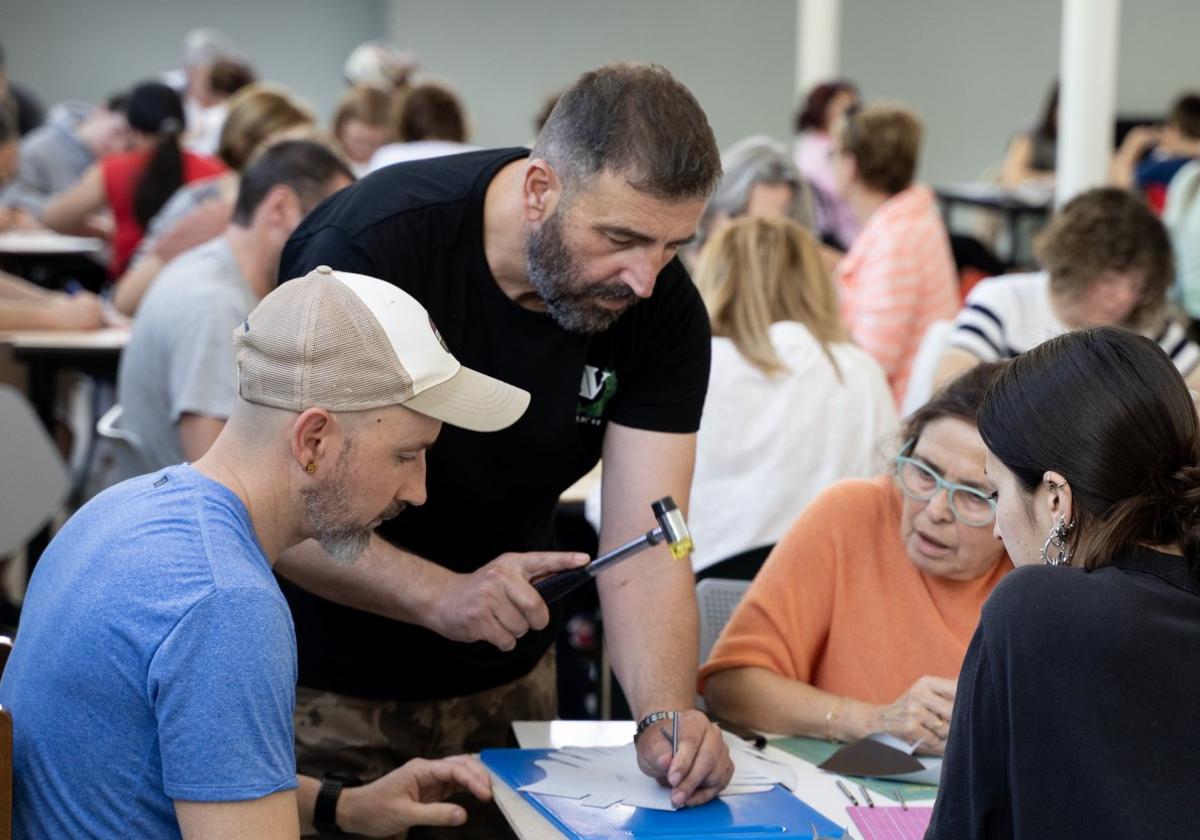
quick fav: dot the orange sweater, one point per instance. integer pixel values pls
(839, 605)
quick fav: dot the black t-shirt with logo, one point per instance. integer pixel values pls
(420, 226)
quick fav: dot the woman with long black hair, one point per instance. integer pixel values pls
(1077, 701)
(133, 185)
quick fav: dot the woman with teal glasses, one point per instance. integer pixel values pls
(859, 620)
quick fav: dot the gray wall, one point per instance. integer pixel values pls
(736, 57)
(85, 49)
(975, 69)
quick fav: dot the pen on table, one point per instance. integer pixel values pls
(866, 796)
(673, 736)
(900, 799)
(846, 792)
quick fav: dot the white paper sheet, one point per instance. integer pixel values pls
(600, 777)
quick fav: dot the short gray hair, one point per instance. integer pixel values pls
(756, 160)
(637, 120)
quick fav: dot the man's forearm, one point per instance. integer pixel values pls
(651, 626)
(306, 800)
(385, 580)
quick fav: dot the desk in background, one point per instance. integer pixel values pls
(1012, 205)
(813, 786)
(48, 243)
(47, 353)
(49, 259)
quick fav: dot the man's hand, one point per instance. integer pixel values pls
(14, 218)
(82, 311)
(921, 714)
(701, 766)
(497, 603)
(1140, 140)
(413, 795)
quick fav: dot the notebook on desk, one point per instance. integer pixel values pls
(751, 816)
(891, 823)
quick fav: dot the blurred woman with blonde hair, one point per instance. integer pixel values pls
(792, 404)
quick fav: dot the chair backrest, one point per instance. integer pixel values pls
(717, 599)
(33, 479)
(924, 366)
(125, 445)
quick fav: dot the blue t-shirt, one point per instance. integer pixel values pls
(155, 661)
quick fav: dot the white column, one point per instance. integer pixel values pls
(818, 36)
(1087, 100)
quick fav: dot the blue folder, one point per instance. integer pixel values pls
(773, 815)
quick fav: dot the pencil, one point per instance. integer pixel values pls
(866, 796)
(846, 791)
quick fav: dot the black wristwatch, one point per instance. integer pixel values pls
(325, 809)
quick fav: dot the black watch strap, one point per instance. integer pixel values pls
(325, 809)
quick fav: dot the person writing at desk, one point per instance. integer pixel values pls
(858, 621)
(531, 264)
(26, 306)
(1108, 262)
(1077, 701)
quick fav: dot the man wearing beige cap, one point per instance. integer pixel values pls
(531, 262)
(152, 685)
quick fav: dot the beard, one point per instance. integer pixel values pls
(327, 508)
(557, 278)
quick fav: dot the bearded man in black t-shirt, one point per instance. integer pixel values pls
(530, 265)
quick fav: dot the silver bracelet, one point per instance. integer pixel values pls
(651, 719)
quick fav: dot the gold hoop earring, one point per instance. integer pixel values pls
(312, 467)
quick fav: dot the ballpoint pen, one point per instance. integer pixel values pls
(846, 792)
(674, 734)
(866, 796)
(900, 799)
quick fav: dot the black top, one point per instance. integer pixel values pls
(1077, 707)
(25, 108)
(420, 225)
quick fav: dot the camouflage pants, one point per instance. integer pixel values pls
(371, 737)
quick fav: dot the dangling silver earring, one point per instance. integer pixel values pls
(1056, 551)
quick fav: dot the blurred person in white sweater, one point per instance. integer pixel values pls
(793, 405)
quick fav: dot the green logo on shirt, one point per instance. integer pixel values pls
(595, 390)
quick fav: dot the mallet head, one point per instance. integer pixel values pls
(674, 528)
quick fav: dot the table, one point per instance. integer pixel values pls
(50, 259)
(48, 243)
(1032, 201)
(815, 787)
(46, 353)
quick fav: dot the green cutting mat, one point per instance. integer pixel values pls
(815, 751)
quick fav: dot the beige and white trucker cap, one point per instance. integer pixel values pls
(347, 342)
